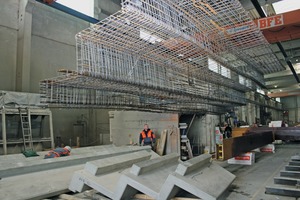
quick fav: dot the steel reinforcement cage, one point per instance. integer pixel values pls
(153, 55)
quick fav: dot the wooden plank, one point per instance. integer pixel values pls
(173, 141)
(162, 143)
(144, 196)
(68, 197)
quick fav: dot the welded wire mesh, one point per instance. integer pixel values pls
(154, 54)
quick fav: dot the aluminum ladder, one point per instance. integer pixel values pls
(186, 149)
(26, 128)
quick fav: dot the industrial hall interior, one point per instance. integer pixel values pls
(149, 99)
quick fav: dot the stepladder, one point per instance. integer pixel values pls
(186, 149)
(25, 118)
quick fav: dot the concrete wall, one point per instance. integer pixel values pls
(125, 126)
(8, 43)
(53, 43)
(292, 104)
(91, 126)
(202, 132)
(104, 8)
(36, 41)
(252, 111)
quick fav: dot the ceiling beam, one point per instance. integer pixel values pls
(284, 82)
(284, 94)
(289, 63)
(282, 73)
(249, 6)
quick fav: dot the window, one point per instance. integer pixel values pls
(218, 68)
(259, 90)
(248, 83)
(84, 6)
(286, 6)
(242, 80)
(213, 65)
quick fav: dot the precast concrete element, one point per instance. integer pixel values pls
(12, 165)
(292, 168)
(147, 177)
(198, 176)
(284, 191)
(103, 175)
(160, 178)
(37, 185)
(288, 184)
(295, 158)
(296, 163)
(286, 181)
(56, 180)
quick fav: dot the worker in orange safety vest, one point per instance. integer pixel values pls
(58, 152)
(147, 137)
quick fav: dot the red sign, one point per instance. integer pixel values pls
(270, 22)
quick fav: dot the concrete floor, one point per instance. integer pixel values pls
(251, 180)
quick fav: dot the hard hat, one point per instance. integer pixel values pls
(69, 148)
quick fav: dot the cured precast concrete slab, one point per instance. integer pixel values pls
(147, 177)
(47, 183)
(103, 175)
(37, 185)
(288, 182)
(12, 165)
(198, 176)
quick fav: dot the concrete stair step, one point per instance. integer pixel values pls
(290, 191)
(295, 158)
(286, 181)
(296, 163)
(292, 168)
(291, 174)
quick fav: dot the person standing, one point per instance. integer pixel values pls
(147, 137)
(227, 131)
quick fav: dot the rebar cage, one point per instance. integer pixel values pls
(155, 55)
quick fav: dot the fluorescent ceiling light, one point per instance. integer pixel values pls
(286, 6)
(84, 6)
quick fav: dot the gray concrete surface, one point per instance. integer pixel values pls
(115, 163)
(125, 126)
(12, 165)
(198, 177)
(147, 177)
(103, 175)
(251, 180)
(37, 52)
(52, 177)
(37, 185)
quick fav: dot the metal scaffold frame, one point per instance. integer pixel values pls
(153, 55)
